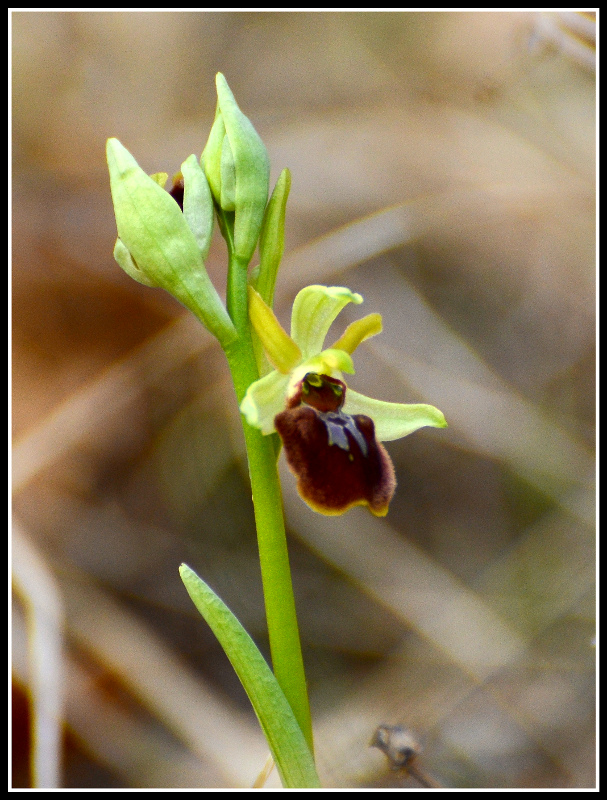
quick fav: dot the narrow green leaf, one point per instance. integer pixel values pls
(287, 743)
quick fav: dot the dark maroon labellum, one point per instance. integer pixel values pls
(337, 459)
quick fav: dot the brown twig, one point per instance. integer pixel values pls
(402, 749)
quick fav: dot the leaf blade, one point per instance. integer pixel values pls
(288, 746)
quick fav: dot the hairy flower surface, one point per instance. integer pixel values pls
(331, 435)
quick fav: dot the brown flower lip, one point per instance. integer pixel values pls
(335, 456)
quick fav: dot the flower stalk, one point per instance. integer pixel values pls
(281, 616)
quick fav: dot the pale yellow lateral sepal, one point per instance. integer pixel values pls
(281, 350)
(394, 420)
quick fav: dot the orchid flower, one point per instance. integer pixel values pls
(331, 434)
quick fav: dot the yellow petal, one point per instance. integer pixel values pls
(282, 351)
(160, 178)
(357, 332)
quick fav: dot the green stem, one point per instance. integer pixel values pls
(285, 646)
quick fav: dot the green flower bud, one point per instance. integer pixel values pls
(158, 245)
(237, 167)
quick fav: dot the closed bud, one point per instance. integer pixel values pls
(158, 244)
(237, 168)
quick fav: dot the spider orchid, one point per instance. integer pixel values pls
(331, 434)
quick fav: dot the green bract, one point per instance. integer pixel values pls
(158, 245)
(237, 167)
(272, 239)
(314, 310)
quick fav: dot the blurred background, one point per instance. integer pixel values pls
(443, 167)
